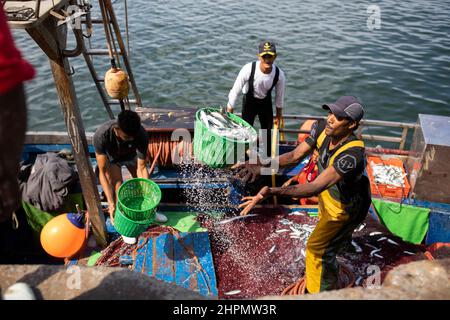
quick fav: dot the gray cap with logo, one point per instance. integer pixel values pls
(346, 107)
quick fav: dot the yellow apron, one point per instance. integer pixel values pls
(321, 265)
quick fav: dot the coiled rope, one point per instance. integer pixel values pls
(164, 150)
(346, 280)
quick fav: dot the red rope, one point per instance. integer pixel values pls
(346, 280)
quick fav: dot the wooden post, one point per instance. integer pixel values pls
(404, 136)
(52, 40)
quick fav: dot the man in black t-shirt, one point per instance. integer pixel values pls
(121, 142)
(342, 188)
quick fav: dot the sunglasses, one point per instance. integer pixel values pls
(268, 57)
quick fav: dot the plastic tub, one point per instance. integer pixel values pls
(129, 228)
(214, 150)
(138, 199)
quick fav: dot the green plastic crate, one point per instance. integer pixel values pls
(138, 198)
(214, 150)
(128, 227)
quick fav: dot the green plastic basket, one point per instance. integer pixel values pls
(138, 198)
(214, 150)
(128, 227)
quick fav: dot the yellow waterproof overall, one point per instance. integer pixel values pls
(337, 221)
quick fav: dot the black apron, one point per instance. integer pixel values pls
(252, 107)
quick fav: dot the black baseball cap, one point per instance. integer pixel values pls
(346, 107)
(267, 47)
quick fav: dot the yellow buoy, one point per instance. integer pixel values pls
(64, 235)
(116, 83)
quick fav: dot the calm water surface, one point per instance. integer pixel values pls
(188, 53)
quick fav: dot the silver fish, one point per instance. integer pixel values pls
(393, 242)
(204, 119)
(374, 251)
(357, 248)
(229, 293)
(216, 122)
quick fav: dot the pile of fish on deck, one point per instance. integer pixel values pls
(221, 124)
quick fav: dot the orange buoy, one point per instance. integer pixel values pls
(64, 235)
(116, 83)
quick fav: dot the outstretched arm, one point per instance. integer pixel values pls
(325, 180)
(295, 156)
(249, 172)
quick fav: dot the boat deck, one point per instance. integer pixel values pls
(253, 256)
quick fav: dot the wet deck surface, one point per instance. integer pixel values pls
(261, 254)
(252, 259)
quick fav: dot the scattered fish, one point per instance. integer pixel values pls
(374, 252)
(360, 227)
(393, 242)
(382, 238)
(378, 256)
(298, 258)
(296, 213)
(281, 230)
(374, 233)
(303, 252)
(295, 231)
(409, 252)
(285, 221)
(358, 249)
(229, 293)
(272, 249)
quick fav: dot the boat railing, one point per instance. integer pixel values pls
(365, 125)
(398, 138)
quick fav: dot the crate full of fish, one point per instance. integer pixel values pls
(221, 138)
(387, 177)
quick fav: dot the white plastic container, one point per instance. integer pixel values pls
(129, 240)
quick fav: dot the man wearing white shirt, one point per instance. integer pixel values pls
(256, 80)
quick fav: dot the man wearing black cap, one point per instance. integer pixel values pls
(256, 81)
(342, 188)
(117, 143)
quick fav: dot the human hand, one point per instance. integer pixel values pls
(229, 109)
(252, 201)
(288, 183)
(111, 211)
(246, 171)
(277, 122)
